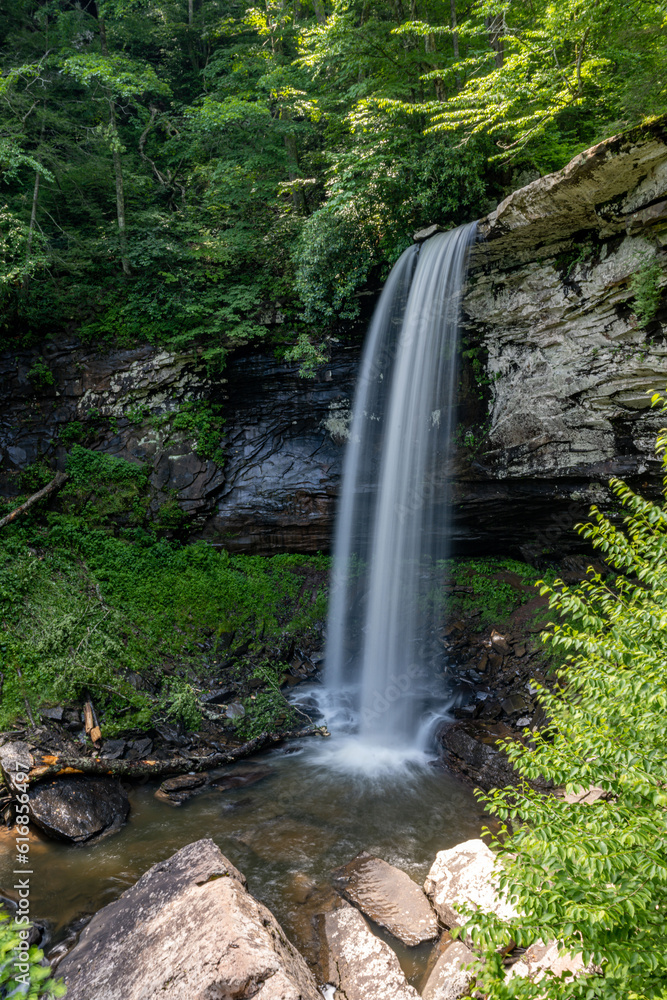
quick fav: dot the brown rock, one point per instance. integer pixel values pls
(389, 897)
(179, 789)
(187, 929)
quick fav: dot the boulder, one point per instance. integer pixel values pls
(449, 978)
(188, 929)
(465, 874)
(78, 809)
(389, 897)
(361, 966)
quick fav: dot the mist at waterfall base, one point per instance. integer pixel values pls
(382, 698)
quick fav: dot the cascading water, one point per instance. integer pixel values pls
(393, 523)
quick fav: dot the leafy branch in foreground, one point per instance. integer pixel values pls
(593, 877)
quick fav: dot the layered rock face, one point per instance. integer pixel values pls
(558, 355)
(280, 436)
(565, 355)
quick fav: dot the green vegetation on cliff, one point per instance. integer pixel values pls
(226, 174)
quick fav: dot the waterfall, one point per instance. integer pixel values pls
(393, 522)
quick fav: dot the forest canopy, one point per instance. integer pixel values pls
(209, 173)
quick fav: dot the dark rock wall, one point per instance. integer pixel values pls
(282, 437)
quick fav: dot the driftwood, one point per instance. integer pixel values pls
(56, 765)
(55, 484)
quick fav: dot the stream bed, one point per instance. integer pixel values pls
(297, 814)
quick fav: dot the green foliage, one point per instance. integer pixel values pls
(647, 291)
(102, 488)
(202, 420)
(487, 589)
(186, 180)
(72, 433)
(134, 620)
(593, 877)
(40, 374)
(21, 970)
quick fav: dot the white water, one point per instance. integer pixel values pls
(393, 522)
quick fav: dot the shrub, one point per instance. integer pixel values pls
(593, 877)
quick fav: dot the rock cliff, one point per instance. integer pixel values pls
(562, 351)
(564, 334)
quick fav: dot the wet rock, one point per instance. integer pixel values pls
(425, 234)
(500, 643)
(362, 967)
(138, 749)
(449, 979)
(180, 788)
(113, 749)
(240, 778)
(55, 714)
(470, 749)
(188, 928)
(465, 874)
(389, 897)
(15, 760)
(235, 710)
(78, 809)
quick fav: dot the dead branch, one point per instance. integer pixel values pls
(55, 484)
(57, 765)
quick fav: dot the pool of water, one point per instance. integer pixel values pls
(306, 808)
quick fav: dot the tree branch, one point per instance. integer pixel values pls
(55, 484)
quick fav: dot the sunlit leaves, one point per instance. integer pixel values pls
(593, 876)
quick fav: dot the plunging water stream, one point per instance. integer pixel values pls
(393, 523)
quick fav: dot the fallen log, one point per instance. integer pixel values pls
(55, 484)
(56, 765)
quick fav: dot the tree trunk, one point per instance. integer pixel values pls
(298, 194)
(191, 12)
(455, 40)
(52, 766)
(55, 484)
(319, 11)
(117, 163)
(496, 27)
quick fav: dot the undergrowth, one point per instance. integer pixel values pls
(94, 602)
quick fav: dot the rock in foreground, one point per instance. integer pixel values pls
(450, 978)
(188, 929)
(389, 897)
(362, 967)
(78, 809)
(465, 874)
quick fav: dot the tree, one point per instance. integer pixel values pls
(593, 877)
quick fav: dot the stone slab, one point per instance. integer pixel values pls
(389, 897)
(449, 979)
